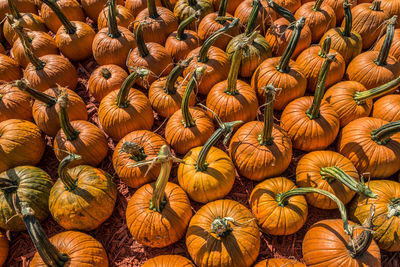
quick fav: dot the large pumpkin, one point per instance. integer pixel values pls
(168, 261)
(14, 104)
(4, 248)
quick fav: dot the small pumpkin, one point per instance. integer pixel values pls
(78, 137)
(136, 6)
(279, 262)
(135, 147)
(93, 8)
(337, 6)
(189, 127)
(168, 261)
(9, 69)
(14, 104)
(123, 16)
(223, 233)
(112, 44)
(183, 9)
(311, 122)
(166, 93)
(127, 109)
(45, 108)
(21, 143)
(4, 248)
(373, 145)
(264, 16)
(27, 184)
(162, 205)
(394, 48)
(387, 108)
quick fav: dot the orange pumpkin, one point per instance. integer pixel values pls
(291, 5)
(223, 233)
(136, 6)
(4, 248)
(259, 144)
(387, 108)
(184, 9)
(26, 6)
(162, 205)
(394, 48)
(127, 109)
(14, 104)
(135, 147)
(279, 262)
(337, 6)
(9, 69)
(263, 16)
(168, 261)
(373, 145)
(123, 16)
(231, 6)
(391, 8)
(93, 8)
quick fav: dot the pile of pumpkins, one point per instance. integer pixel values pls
(327, 68)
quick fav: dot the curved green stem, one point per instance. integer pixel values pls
(122, 97)
(360, 97)
(382, 135)
(376, 6)
(317, 5)
(326, 47)
(222, 8)
(381, 60)
(394, 208)
(348, 19)
(313, 111)
(231, 88)
(265, 137)
(251, 23)
(40, 96)
(283, 12)
(151, 7)
(69, 182)
(180, 34)
(69, 131)
(135, 151)
(70, 29)
(14, 10)
(113, 30)
(176, 72)
(141, 45)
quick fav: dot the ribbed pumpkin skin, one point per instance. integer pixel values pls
(99, 86)
(291, 5)
(279, 262)
(325, 244)
(25, 6)
(340, 97)
(57, 71)
(183, 10)
(251, 158)
(118, 122)
(355, 143)
(307, 134)
(308, 174)
(239, 248)
(264, 19)
(46, 118)
(310, 63)
(155, 229)
(179, 49)
(394, 48)
(337, 6)
(4, 249)
(386, 230)
(123, 16)
(34, 186)
(217, 68)
(135, 177)
(14, 104)
(28, 21)
(81, 249)
(168, 261)
(273, 218)
(21, 143)
(231, 6)
(387, 108)
(9, 69)
(42, 43)
(88, 205)
(91, 144)
(94, 7)
(213, 183)
(136, 6)
(391, 7)
(71, 10)
(364, 70)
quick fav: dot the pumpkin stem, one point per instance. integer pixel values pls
(326, 47)
(394, 208)
(141, 45)
(69, 182)
(313, 111)
(387, 43)
(122, 97)
(282, 199)
(221, 227)
(382, 135)
(113, 30)
(49, 254)
(360, 97)
(36, 94)
(69, 131)
(231, 88)
(202, 57)
(251, 23)
(151, 7)
(222, 8)
(105, 73)
(180, 33)
(70, 29)
(283, 65)
(265, 137)
(135, 151)
(348, 19)
(376, 6)
(187, 119)
(14, 10)
(283, 12)
(317, 5)
(177, 71)
(335, 173)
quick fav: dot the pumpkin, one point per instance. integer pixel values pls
(391, 8)
(394, 48)
(259, 144)
(185, 8)
(123, 16)
(373, 145)
(78, 137)
(27, 184)
(291, 5)
(127, 109)
(233, 99)
(223, 233)
(189, 127)
(45, 108)
(264, 16)
(135, 147)
(9, 69)
(14, 104)
(283, 73)
(162, 205)
(386, 221)
(181, 42)
(345, 40)
(70, 8)
(280, 32)
(151, 56)
(311, 60)
(278, 262)
(337, 6)
(255, 48)
(168, 261)
(4, 248)
(232, 5)
(367, 21)
(93, 8)
(311, 122)
(21, 143)
(373, 68)
(387, 108)
(208, 173)
(213, 59)
(111, 45)
(166, 93)
(136, 6)
(158, 23)
(351, 100)
(25, 6)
